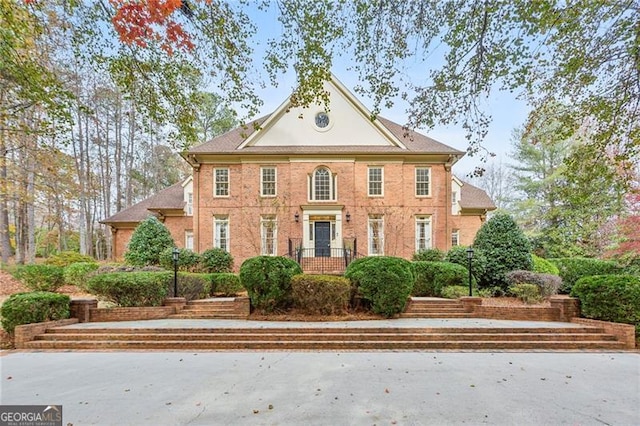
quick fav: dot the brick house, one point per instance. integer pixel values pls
(316, 184)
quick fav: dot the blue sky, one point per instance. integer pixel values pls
(507, 111)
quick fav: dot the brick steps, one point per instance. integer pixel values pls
(435, 308)
(222, 308)
(325, 338)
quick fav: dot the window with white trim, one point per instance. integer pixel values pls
(189, 204)
(322, 185)
(455, 238)
(221, 182)
(375, 179)
(376, 235)
(188, 240)
(269, 235)
(221, 232)
(423, 181)
(423, 233)
(268, 181)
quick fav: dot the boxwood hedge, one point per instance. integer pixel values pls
(573, 268)
(432, 277)
(268, 281)
(321, 294)
(130, 289)
(29, 308)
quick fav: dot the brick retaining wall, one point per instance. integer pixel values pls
(130, 314)
(520, 313)
(625, 332)
(27, 332)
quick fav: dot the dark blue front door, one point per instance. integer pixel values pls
(322, 232)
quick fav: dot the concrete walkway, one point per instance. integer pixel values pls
(328, 388)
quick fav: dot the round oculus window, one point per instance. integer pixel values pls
(322, 120)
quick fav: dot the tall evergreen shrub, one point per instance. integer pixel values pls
(148, 241)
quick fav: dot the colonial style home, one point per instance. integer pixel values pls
(316, 184)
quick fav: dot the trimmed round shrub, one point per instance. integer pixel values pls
(528, 293)
(385, 281)
(129, 289)
(573, 268)
(544, 266)
(149, 239)
(268, 281)
(29, 308)
(506, 249)
(78, 273)
(41, 277)
(66, 258)
(458, 255)
(428, 255)
(547, 284)
(321, 294)
(613, 298)
(216, 260)
(225, 284)
(188, 261)
(432, 277)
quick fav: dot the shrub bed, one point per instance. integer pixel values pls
(29, 308)
(386, 282)
(268, 281)
(573, 268)
(321, 294)
(226, 284)
(129, 289)
(428, 255)
(190, 286)
(78, 273)
(458, 255)
(432, 277)
(216, 260)
(41, 277)
(188, 261)
(547, 284)
(544, 266)
(528, 293)
(614, 298)
(66, 258)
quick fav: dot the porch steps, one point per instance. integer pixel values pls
(431, 307)
(215, 308)
(327, 338)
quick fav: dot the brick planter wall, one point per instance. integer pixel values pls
(130, 314)
(80, 308)
(523, 313)
(27, 332)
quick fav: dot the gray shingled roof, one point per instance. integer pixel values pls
(472, 197)
(169, 198)
(415, 143)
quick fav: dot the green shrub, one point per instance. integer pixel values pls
(613, 298)
(428, 255)
(268, 281)
(191, 286)
(66, 258)
(29, 308)
(149, 239)
(41, 277)
(506, 249)
(458, 255)
(386, 282)
(118, 267)
(528, 293)
(216, 260)
(548, 284)
(188, 261)
(321, 294)
(78, 273)
(226, 284)
(129, 289)
(432, 277)
(573, 268)
(544, 266)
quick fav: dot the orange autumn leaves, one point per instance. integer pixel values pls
(141, 22)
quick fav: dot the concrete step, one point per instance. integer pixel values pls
(411, 314)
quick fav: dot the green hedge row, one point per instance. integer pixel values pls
(29, 308)
(573, 268)
(321, 294)
(432, 277)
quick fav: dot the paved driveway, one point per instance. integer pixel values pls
(327, 388)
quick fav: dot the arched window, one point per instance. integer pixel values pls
(323, 185)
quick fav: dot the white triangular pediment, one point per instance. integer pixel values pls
(347, 123)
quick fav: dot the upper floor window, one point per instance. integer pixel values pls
(375, 179)
(221, 182)
(376, 235)
(423, 233)
(455, 238)
(323, 185)
(268, 181)
(190, 204)
(423, 181)
(269, 234)
(221, 232)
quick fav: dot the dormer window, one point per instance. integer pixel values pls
(322, 185)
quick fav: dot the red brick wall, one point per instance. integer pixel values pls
(468, 226)
(130, 314)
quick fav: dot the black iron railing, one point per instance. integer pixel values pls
(321, 261)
